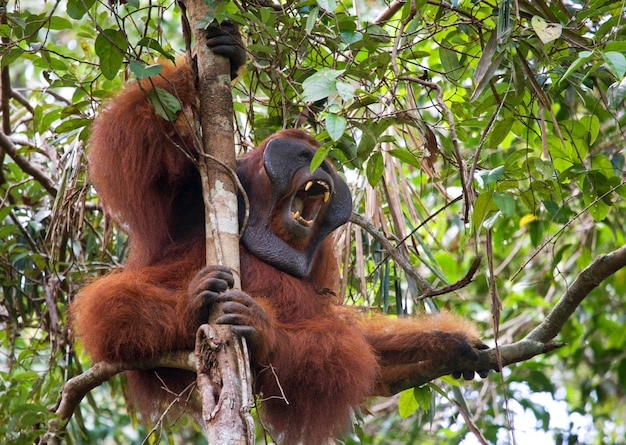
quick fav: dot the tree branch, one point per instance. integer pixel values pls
(539, 340)
(76, 388)
(225, 407)
(393, 252)
(425, 286)
(389, 12)
(26, 166)
(600, 269)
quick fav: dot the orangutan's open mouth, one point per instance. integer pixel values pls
(309, 200)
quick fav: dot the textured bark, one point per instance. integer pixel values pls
(223, 371)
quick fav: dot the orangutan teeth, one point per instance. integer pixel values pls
(320, 184)
(300, 219)
(308, 201)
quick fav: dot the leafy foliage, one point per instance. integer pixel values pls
(466, 128)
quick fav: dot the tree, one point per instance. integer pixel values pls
(468, 129)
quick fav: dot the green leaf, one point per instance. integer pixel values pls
(616, 63)
(208, 18)
(486, 177)
(601, 163)
(311, 19)
(257, 47)
(505, 203)
(495, 174)
(346, 90)
(500, 131)
(267, 17)
(72, 124)
(375, 168)
(424, 397)
(327, 5)
(76, 8)
(483, 206)
(407, 404)
(320, 85)
(406, 157)
(111, 47)
(619, 45)
(165, 104)
(351, 37)
(366, 144)
(583, 57)
(156, 46)
(141, 71)
(599, 210)
(4, 212)
(485, 61)
(615, 94)
(412, 399)
(319, 156)
(592, 125)
(335, 125)
(485, 78)
(449, 60)
(24, 376)
(492, 219)
(557, 214)
(205, 22)
(59, 23)
(449, 380)
(10, 56)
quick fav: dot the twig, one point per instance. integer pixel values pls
(466, 182)
(385, 15)
(26, 166)
(75, 389)
(467, 279)
(425, 286)
(397, 256)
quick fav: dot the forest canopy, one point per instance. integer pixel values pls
(473, 134)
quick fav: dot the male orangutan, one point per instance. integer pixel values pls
(312, 359)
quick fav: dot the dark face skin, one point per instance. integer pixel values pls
(298, 209)
(291, 209)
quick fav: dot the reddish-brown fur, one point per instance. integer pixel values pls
(325, 358)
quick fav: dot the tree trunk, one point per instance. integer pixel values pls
(223, 366)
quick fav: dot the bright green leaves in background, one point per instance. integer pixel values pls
(416, 398)
(110, 46)
(141, 71)
(321, 85)
(616, 62)
(335, 125)
(612, 58)
(77, 9)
